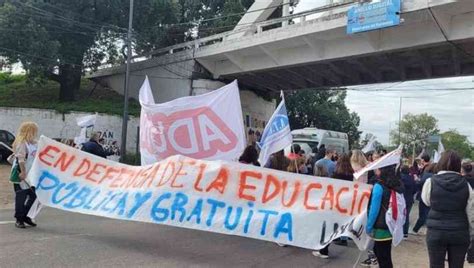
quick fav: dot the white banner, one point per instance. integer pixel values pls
(208, 126)
(389, 159)
(217, 196)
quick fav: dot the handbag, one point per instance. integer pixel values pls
(15, 172)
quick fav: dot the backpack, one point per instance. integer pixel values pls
(396, 216)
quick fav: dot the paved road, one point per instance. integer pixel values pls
(74, 240)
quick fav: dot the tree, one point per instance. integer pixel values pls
(415, 130)
(58, 39)
(324, 109)
(61, 39)
(453, 140)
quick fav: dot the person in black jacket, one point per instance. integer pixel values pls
(408, 194)
(423, 209)
(93, 146)
(378, 205)
(450, 198)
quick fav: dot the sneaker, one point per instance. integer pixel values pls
(281, 245)
(20, 225)
(341, 243)
(413, 232)
(369, 262)
(317, 253)
(30, 222)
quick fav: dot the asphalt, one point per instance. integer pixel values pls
(64, 239)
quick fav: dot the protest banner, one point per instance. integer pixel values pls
(389, 159)
(208, 126)
(217, 196)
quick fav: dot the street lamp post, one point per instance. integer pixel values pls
(123, 145)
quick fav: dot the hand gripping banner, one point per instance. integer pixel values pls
(216, 196)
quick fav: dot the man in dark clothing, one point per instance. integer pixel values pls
(410, 188)
(93, 146)
(321, 152)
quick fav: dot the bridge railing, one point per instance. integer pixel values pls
(324, 13)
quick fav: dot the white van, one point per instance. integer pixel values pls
(312, 137)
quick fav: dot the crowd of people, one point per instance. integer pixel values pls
(443, 189)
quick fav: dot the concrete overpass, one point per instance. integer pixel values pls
(312, 50)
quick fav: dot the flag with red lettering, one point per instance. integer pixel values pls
(207, 126)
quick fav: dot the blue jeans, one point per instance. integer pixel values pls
(422, 215)
(407, 221)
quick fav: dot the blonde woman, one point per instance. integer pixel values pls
(358, 161)
(24, 148)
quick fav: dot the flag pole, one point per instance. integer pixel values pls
(282, 95)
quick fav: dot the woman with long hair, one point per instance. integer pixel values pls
(358, 162)
(378, 205)
(278, 161)
(24, 149)
(344, 170)
(451, 216)
(250, 156)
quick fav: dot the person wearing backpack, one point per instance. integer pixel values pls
(24, 149)
(451, 216)
(379, 202)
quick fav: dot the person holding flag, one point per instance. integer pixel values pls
(276, 135)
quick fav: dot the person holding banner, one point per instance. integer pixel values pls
(278, 161)
(379, 202)
(249, 156)
(358, 161)
(451, 218)
(327, 161)
(24, 149)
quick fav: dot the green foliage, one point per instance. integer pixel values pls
(7, 78)
(59, 39)
(324, 109)
(415, 129)
(22, 93)
(132, 159)
(453, 140)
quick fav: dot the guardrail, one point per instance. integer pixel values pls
(254, 28)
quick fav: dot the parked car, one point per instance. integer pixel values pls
(6, 138)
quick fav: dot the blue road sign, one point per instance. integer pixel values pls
(372, 16)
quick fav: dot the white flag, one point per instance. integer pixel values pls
(87, 120)
(437, 154)
(389, 159)
(277, 134)
(370, 146)
(84, 122)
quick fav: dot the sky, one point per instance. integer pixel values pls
(379, 105)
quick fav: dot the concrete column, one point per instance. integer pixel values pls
(286, 11)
